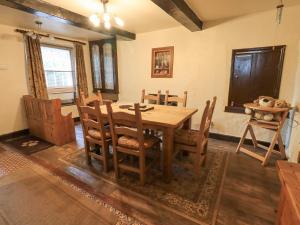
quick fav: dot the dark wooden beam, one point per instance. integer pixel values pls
(44, 9)
(181, 12)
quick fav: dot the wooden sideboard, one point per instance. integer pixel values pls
(289, 204)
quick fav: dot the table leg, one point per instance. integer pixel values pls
(168, 146)
(187, 124)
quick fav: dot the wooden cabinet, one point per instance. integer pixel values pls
(104, 65)
(289, 203)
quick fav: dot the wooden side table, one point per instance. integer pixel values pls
(288, 212)
(275, 126)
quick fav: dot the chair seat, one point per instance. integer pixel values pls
(129, 142)
(186, 137)
(97, 135)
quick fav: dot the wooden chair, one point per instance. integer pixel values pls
(195, 141)
(128, 139)
(45, 120)
(94, 132)
(153, 99)
(87, 100)
(177, 100)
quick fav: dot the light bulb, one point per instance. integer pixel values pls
(95, 20)
(119, 21)
(106, 17)
(107, 25)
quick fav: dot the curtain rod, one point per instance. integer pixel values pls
(47, 35)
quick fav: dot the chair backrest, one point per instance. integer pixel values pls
(90, 99)
(91, 118)
(202, 139)
(171, 99)
(154, 98)
(205, 125)
(210, 114)
(126, 124)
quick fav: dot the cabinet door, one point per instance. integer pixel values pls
(104, 65)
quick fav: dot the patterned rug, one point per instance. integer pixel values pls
(28, 144)
(194, 197)
(53, 200)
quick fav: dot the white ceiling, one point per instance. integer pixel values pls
(212, 10)
(139, 15)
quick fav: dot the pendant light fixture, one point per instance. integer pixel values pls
(279, 12)
(106, 17)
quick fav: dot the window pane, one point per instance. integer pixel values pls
(108, 66)
(56, 79)
(59, 73)
(56, 59)
(96, 66)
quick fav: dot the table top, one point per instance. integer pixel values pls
(162, 115)
(289, 174)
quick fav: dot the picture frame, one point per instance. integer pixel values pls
(162, 62)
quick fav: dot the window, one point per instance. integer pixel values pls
(254, 72)
(104, 65)
(59, 71)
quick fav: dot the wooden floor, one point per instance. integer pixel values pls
(250, 194)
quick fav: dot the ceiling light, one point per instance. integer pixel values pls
(119, 21)
(95, 18)
(107, 25)
(106, 17)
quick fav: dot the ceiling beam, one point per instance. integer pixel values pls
(181, 12)
(43, 9)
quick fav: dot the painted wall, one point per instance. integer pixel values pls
(13, 81)
(202, 62)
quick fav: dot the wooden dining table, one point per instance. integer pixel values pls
(161, 118)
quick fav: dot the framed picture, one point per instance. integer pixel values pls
(162, 62)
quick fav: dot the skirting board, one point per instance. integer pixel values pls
(14, 134)
(237, 139)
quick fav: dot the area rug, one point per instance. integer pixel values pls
(194, 197)
(28, 144)
(32, 195)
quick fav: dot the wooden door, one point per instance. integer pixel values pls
(255, 72)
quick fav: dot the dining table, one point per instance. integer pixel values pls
(160, 118)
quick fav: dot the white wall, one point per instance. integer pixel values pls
(13, 81)
(202, 62)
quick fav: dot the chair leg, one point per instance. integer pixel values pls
(116, 164)
(105, 151)
(142, 169)
(87, 152)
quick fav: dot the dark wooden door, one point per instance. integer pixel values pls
(255, 72)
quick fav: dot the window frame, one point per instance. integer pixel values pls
(100, 44)
(282, 48)
(73, 66)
